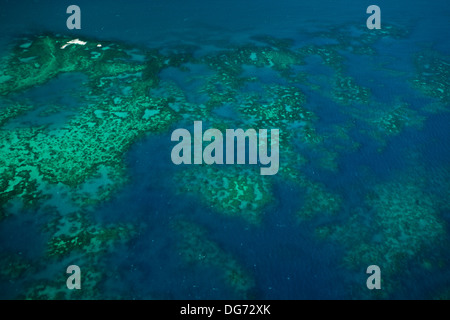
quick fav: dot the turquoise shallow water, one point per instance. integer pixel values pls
(364, 160)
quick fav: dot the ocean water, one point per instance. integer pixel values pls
(370, 180)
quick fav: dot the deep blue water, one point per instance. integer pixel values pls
(282, 254)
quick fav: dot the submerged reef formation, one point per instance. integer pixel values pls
(432, 76)
(93, 139)
(403, 225)
(15, 266)
(79, 164)
(77, 240)
(74, 233)
(388, 121)
(43, 57)
(196, 247)
(234, 191)
(318, 200)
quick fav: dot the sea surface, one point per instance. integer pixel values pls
(382, 158)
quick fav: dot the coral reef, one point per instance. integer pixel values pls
(234, 191)
(403, 224)
(195, 247)
(75, 238)
(46, 56)
(98, 135)
(15, 266)
(74, 233)
(432, 76)
(317, 200)
(347, 92)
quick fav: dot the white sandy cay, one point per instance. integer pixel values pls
(75, 41)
